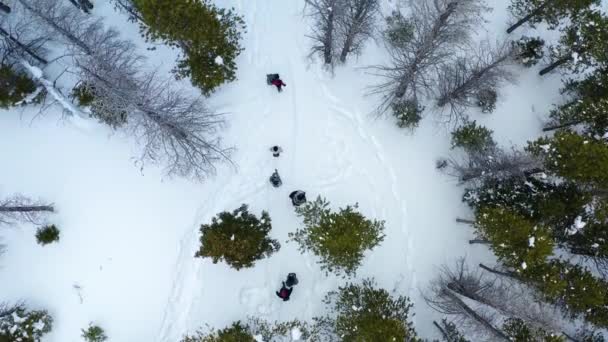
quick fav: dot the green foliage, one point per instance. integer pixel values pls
(235, 333)
(14, 86)
(47, 234)
(590, 113)
(573, 287)
(85, 96)
(552, 205)
(529, 50)
(574, 157)
(338, 238)
(399, 31)
(407, 113)
(208, 36)
(592, 241)
(277, 330)
(516, 241)
(238, 238)
(553, 13)
(366, 313)
(25, 326)
(472, 138)
(517, 330)
(585, 42)
(486, 99)
(94, 333)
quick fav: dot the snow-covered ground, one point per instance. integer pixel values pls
(125, 258)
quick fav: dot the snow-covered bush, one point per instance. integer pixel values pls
(407, 113)
(362, 312)
(209, 48)
(486, 99)
(279, 331)
(472, 137)
(399, 31)
(517, 330)
(238, 238)
(47, 234)
(94, 333)
(22, 325)
(340, 238)
(85, 96)
(235, 333)
(14, 86)
(529, 50)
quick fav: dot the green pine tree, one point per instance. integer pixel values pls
(238, 238)
(14, 86)
(517, 330)
(362, 312)
(517, 242)
(237, 332)
(47, 234)
(574, 287)
(550, 11)
(94, 333)
(583, 44)
(24, 325)
(340, 238)
(529, 50)
(575, 157)
(472, 137)
(208, 36)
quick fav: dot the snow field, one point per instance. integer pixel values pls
(128, 238)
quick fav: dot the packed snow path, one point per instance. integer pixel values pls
(125, 258)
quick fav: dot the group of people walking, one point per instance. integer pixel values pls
(298, 197)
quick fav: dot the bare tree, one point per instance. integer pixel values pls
(509, 298)
(173, 128)
(71, 25)
(20, 39)
(461, 80)
(440, 27)
(18, 208)
(493, 163)
(356, 24)
(446, 301)
(325, 14)
(177, 129)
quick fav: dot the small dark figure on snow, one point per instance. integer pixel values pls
(298, 197)
(276, 150)
(291, 280)
(276, 81)
(287, 287)
(275, 179)
(284, 292)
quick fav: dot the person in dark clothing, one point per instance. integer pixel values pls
(279, 84)
(275, 179)
(276, 151)
(298, 197)
(291, 280)
(284, 292)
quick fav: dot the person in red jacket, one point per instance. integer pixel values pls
(277, 82)
(284, 292)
